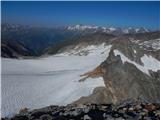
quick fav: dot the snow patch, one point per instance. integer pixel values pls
(126, 31)
(134, 51)
(149, 62)
(154, 44)
(148, 45)
(112, 29)
(89, 50)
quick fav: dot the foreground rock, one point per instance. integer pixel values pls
(127, 110)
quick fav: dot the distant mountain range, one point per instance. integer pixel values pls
(37, 40)
(109, 30)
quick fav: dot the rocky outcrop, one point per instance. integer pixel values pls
(128, 48)
(97, 72)
(126, 81)
(100, 95)
(123, 80)
(126, 110)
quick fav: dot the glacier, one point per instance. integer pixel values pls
(51, 80)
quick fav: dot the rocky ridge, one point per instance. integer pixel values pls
(126, 74)
(131, 67)
(126, 110)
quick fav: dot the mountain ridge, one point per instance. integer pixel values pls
(39, 39)
(109, 30)
(97, 68)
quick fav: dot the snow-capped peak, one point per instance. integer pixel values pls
(110, 30)
(81, 27)
(141, 30)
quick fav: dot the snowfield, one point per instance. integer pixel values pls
(149, 62)
(150, 45)
(154, 44)
(53, 80)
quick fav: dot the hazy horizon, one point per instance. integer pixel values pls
(109, 14)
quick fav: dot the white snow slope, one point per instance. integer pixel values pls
(149, 62)
(53, 80)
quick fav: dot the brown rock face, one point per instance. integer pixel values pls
(99, 96)
(97, 72)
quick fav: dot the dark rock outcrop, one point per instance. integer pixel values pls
(14, 49)
(126, 110)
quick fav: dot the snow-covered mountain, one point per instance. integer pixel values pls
(99, 65)
(97, 68)
(130, 67)
(82, 27)
(110, 30)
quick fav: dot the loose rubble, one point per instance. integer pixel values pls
(128, 110)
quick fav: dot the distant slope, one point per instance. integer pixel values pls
(35, 38)
(95, 38)
(13, 49)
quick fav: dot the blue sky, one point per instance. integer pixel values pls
(116, 14)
